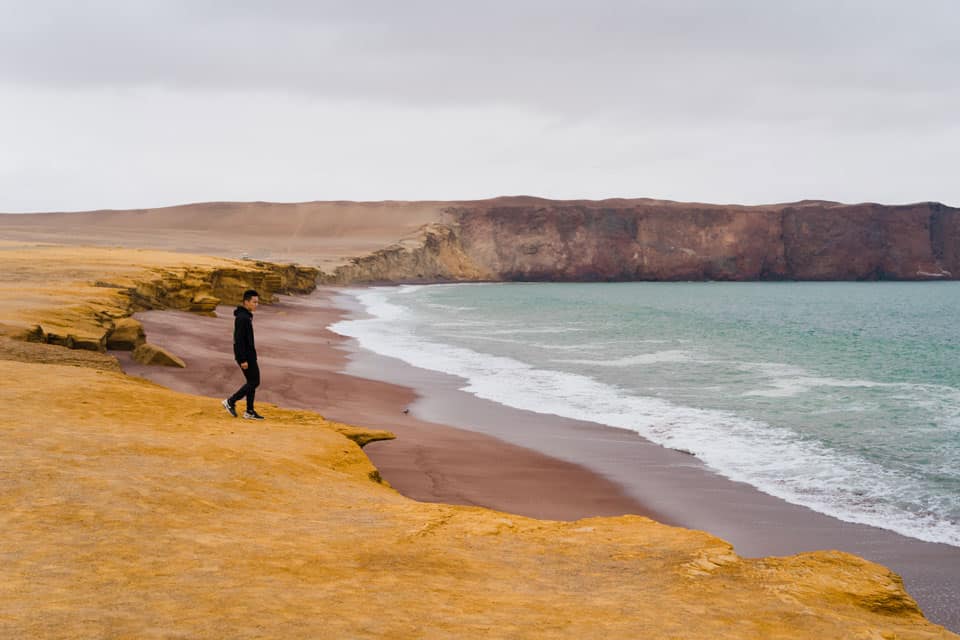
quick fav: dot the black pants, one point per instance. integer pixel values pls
(249, 390)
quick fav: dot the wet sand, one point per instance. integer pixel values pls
(453, 447)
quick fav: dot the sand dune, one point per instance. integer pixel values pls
(323, 234)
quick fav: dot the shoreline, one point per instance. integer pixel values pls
(450, 441)
(302, 363)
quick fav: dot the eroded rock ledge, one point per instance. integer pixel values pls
(82, 297)
(198, 289)
(202, 289)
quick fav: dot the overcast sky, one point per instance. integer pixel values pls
(140, 103)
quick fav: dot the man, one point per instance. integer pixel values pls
(245, 353)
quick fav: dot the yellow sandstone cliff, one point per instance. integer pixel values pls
(130, 511)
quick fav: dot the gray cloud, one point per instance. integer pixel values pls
(773, 59)
(655, 80)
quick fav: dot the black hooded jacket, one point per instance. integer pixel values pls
(244, 349)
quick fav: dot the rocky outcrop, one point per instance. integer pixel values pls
(535, 239)
(127, 335)
(67, 339)
(201, 289)
(151, 354)
(433, 254)
(37, 353)
(363, 435)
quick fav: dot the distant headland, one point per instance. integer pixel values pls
(526, 238)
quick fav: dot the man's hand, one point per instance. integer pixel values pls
(244, 365)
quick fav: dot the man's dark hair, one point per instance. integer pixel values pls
(250, 293)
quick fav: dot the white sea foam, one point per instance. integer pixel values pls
(773, 459)
(535, 330)
(460, 324)
(668, 355)
(789, 386)
(586, 347)
(449, 307)
(785, 380)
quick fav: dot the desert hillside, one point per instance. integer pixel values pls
(324, 234)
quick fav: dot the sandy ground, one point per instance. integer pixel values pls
(515, 461)
(129, 510)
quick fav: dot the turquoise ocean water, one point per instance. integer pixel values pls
(843, 397)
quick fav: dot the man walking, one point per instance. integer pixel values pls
(245, 353)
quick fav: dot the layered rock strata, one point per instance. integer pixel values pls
(201, 289)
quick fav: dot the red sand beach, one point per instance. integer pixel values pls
(453, 447)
